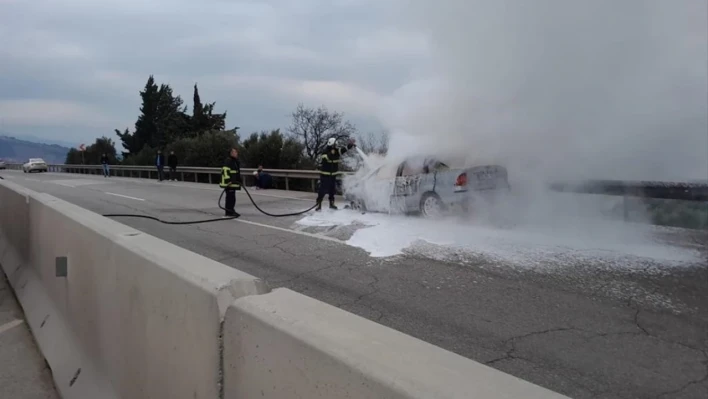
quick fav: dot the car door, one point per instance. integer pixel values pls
(406, 192)
(380, 193)
(374, 190)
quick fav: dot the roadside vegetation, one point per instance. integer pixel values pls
(200, 137)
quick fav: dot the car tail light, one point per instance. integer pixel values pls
(461, 180)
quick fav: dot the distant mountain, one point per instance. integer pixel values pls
(15, 150)
(35, 139)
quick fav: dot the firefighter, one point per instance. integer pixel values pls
(231, 181)
(329, 169)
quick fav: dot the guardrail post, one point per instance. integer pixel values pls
(209, 178)
(182, 174)
(313, 185)
(287, 183)
(625, 205)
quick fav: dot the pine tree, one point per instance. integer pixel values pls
(145, 128)
(146, 125)
(203, 117)
(170, 118)
(197, 112)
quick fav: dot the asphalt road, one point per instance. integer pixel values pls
(583, 331)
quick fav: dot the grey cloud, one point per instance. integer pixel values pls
(109, 48)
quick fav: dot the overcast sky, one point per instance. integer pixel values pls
(621, 84)
(72, 69)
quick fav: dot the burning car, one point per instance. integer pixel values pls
(423, 185)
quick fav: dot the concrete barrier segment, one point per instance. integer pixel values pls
(287, 345)
(147, 311)
(14, 232)
(116, 312)
(74, 374)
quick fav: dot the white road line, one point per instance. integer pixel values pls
(302, 233)
(124, 196)
(9, 326)
(267, 226)
(252, 192)
(192, 186)
(64, 184)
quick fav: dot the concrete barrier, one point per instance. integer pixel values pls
(121, 314)
(286, 345)
(133, 317)
(14, 226)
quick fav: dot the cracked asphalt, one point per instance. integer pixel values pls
(581, 330)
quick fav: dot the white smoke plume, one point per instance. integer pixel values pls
(572, 89)
(558, 89)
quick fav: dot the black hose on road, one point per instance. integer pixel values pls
(135, 215)
(271, 214)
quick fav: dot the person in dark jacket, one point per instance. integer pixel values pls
(329, 170)
(104, 162)
(160, 164)
(263, 179)
(231, 181)
(172, 164)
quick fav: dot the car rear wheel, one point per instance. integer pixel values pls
(431, 205)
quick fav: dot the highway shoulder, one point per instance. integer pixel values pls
(23, 371)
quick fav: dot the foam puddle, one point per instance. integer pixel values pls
(526, 246)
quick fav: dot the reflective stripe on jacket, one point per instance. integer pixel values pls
(231, 174)
(330, 160)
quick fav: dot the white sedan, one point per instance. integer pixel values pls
(424, 185)
(35, 165)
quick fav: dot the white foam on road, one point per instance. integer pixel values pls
(528, 246)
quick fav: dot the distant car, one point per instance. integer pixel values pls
(422, 185)
(35, 165)
(2, 164)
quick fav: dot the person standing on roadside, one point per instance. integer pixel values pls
(172, 164)
(160, 163)
(104, 162)
(231, 181)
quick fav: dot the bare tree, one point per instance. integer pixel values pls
(315, 126)
(373, 143)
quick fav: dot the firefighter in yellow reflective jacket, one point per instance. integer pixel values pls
(329, 169)
(231, 181)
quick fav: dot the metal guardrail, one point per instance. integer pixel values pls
(684, 191)
(186, 173)
(643, 189)
(687, 191)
